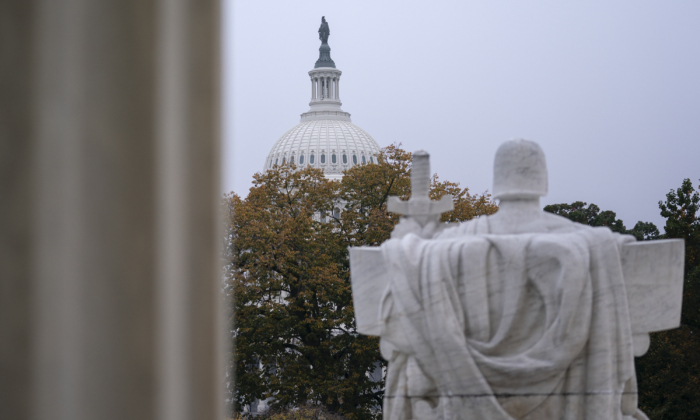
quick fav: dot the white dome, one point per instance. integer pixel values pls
(324, 139)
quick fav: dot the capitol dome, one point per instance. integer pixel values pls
(325, 138)
(331, 145)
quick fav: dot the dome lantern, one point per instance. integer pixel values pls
(324, 52)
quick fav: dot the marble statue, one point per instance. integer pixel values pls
(519, 315)
(324, 31)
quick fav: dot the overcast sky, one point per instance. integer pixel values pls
(609, 89)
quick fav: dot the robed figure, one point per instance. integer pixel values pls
(324, 31)
(519, 315)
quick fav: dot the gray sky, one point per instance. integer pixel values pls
(610, 90)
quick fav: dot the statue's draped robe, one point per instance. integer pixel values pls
(528, 326)
(323, 32)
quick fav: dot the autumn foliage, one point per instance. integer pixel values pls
(288, 275)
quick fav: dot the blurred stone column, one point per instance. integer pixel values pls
(109, 258)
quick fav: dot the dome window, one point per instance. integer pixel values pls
(354, 159)
(323, 158)
(333, 158)
(291, 159)
(301, 160)
(276, 161)
(345, 159)
(270, 163)
(363, 159)
(284, 160)
(311, 159)
(371, 159)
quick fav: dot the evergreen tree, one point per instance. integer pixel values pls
(668, 375)
(681, 213)
(590, 214)
(669, 384)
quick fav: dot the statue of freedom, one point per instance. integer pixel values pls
(324, 31)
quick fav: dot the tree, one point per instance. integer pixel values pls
(681, 213)
(587, 215)
(295, 339)
(364, 191)
(467, 206)
(295, 334)
(670, 372)
(683, 221)
(668, 375)
(645, 231)
(299, 413)
(591, 215)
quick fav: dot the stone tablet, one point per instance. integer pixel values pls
(653, 273)
(369, 279)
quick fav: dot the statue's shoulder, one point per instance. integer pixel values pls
(547, 223)
(560, 224)
(470, 227)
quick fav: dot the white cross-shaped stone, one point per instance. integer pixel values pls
(420, 207)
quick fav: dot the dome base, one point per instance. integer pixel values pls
(330, 144)
(325, 115)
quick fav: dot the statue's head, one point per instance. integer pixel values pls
(519, 170)
(323, 19)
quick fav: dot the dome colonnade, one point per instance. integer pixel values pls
(325, 84)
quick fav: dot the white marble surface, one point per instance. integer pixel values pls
(520, 315)
(653, 274)
(519, 170)
(420, 208)
(369, 280)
